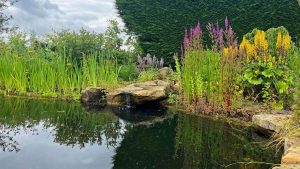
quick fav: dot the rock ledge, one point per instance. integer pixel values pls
(140, 93)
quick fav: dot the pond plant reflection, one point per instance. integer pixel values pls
(70, 125)
(220, 144)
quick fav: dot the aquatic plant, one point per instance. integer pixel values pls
(210, 73)
(39, 71)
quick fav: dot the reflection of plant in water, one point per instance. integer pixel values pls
(71, 124)
(218, 144)
(197, 140)
(6, 140)
(79, 128)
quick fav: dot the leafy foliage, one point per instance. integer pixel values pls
(267, 76)
(64, 63)
(83, 43)
(148, 75)
(267, 80)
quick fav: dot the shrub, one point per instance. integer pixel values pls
(128, 72)
(148, 75)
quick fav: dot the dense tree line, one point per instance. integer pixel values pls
(160, 24)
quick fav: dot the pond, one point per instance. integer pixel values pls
(43, 134)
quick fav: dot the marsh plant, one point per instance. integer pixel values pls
(54, 74)
(262, 67)
(208, 74)
(61, 64)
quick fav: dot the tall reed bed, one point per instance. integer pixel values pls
(47, 73)
(208, 74)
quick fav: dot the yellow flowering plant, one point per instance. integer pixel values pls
(266, 76)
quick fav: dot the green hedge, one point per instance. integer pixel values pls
(160, 24)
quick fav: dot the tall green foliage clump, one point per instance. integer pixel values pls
(65, 62)
(46, 73)
(160, 24)
(209, 74)
(29, 66)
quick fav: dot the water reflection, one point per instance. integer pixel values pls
(69, 124)
(220, 145)
(55, 134)
(7, 142)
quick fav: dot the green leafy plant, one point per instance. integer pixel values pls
(267, 81)
(173, 99)
(148, 75)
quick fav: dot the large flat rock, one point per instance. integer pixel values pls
(93, 96)
(270, 122)
(139, 93)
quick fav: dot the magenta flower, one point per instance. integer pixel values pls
(226, 23)
(196, 32)
(186, 40)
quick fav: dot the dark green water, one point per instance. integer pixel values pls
(42, 134)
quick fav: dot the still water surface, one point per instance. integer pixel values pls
(43, 134)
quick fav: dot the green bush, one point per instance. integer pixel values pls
(148, 75)
(266, 81)
(128, 72)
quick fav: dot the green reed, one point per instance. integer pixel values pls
(45, 73)
(200, 75)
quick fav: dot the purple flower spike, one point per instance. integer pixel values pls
(226, 23)
(186, 40)
(230, 33)
(196, 31)
(215, 33)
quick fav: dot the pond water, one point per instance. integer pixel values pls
(43, 134)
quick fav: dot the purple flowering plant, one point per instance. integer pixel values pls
(193, 39)
(149, 62)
